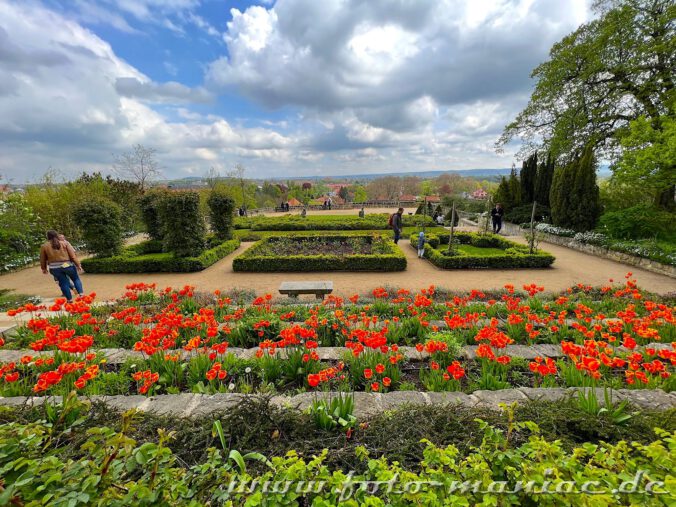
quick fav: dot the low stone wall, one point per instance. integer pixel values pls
(598, 251)
(366, 404)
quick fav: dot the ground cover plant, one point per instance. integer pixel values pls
(474, 250)
(149, 257)
(87, 455)
(613, 336)
(334, 252)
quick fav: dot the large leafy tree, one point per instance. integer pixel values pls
(609, 72)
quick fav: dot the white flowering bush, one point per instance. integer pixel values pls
(591, 238)
(556, 231)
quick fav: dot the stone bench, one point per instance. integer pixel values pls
(319, 289)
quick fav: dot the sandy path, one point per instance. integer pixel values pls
(570, 267)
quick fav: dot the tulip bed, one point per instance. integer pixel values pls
(616, 336)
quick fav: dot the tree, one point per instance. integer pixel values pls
(649, 159)
(344, 193)
(212, 178)
(574, 196)
(514, 189)
(238, 175)
(360, 194)
(502, 194)
(528, 177)
(139, 164)
(609, 72)
(543, 181)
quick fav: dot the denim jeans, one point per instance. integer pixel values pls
(64, 276)
(397, 235)
(497, 224)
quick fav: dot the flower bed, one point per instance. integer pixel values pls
(322, 253)
(147, 257)
(184, 343)
(82, 454)
(472, 251)
(327, 222)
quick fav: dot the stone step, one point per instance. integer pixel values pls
(366, 404)
(119, 356)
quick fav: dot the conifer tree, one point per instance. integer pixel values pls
(543, 181)
(528, 177)
(574, 196)
(514, 190)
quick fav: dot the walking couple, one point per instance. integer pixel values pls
(58, 258)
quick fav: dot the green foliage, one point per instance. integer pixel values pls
(147, 257)
(326, 222)
(508, 192)
(101, 225)
(261, 257)
(649, 158)
(150, 204)
(221, 207)
(613, 69)
(522, 214)
(528, 177)
(637, 222)
(20, 234)
(514, 255)
(574, 196)
(113, 468)
(183, 224)
(543, 181)
(336, 413)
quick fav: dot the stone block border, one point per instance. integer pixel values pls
(119, 356)
(366, 404)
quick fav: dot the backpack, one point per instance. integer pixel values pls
(390, 222)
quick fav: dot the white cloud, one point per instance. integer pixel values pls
(71, 103)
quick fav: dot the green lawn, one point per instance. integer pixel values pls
(475, 250)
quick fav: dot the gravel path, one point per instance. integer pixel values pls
(570, 268)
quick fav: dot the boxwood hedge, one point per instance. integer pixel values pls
(326, 222)
(147, 257)
(516, 255)
(254, 260)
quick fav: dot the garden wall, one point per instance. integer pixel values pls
(598, 251)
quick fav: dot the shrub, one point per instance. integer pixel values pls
(221, 207)
(387, 257)
(20, 234)
(326, 222)
(183, 225)
(148, 257)
(522, 214)
(637, 222)
(515, 255)
(101, 225)
(150, 213)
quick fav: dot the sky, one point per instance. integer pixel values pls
(286, 88)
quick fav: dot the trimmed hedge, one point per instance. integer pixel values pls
(326, 222)
(516, 255)
(149, 204)
(182, 223)
(147, 257)
(254, 261)
(221, 207)
(100, 220)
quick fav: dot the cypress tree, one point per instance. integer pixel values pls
(585, 206)
(514, 190)
(559, 194)
(502, 194)
(543, 181)
(528, 177)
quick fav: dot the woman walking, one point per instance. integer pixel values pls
(58, 258)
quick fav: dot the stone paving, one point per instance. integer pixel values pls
(366, 404)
